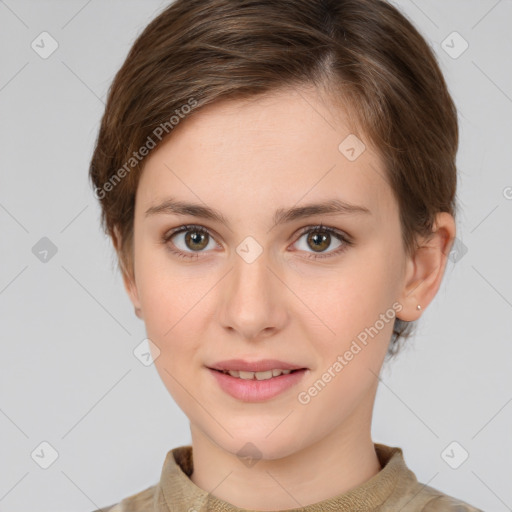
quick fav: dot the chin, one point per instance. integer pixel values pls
(254, 445)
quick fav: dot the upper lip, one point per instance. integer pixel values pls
(262, 365)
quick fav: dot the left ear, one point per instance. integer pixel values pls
(425, 268)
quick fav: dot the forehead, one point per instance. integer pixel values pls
(289, 146)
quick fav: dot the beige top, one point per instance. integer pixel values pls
(395, 488)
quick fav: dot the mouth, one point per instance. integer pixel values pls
(263, 375)
(260, 366)
(248, 386)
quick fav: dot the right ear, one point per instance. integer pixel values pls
(128, 280)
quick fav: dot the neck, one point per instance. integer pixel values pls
(338, 462)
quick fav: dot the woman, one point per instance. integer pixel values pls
(278, 179)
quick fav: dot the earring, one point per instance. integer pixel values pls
(418, 307)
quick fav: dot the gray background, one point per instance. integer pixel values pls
(68, 375)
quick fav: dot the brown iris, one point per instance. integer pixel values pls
(319, 240)
(196, 237)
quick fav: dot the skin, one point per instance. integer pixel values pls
(247, 159)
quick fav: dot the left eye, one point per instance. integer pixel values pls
(320, 238)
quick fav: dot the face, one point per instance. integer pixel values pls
(254, 285)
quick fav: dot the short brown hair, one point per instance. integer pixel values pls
(365, 52)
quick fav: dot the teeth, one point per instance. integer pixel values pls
(259, 375)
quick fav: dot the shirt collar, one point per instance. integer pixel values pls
(176, 491)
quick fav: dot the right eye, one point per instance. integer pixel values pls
(194, 240)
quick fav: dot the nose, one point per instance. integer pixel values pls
(254, 299)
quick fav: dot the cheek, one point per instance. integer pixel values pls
(172, 315)
(164, 291)
(352, 296)
(356, 304)
(174, 304)
(353, 306)
(173, 310)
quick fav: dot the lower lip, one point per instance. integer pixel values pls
(256, 390)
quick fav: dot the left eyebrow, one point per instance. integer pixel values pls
(331, 207)
(171, 206)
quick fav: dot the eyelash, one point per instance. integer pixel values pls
(346, 242)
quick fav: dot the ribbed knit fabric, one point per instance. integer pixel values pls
(394, 489)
